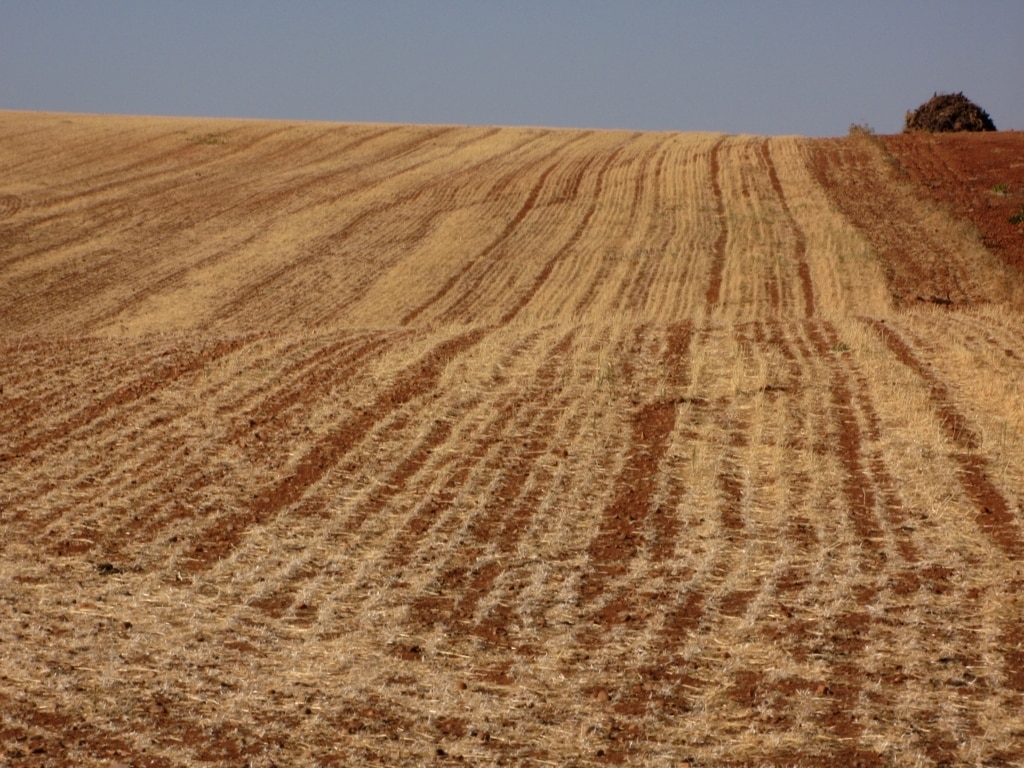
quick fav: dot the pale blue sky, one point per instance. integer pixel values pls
(810, 68)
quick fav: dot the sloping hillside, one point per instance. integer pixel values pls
(377, 444)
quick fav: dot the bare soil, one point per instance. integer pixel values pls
(979, 177)
(907, 192)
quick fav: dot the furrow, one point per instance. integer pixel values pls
(618, 538)
(800, 244)
(647, 203)
(665, 525)
(437, 504)
(800, 529)
(459, 188)
(496, 528)
(161, 376)
(858, 490)
(717, 256)
(33, 391)
(621, 535)
(255, 434)
(392, 519)
(545, 271)
(278, 276)
(894, 516)
(682, 296)
(324, 248)
(488, 253)
(994, 515)
(575, 279)
(498, 277)
(306, 382)
(115, 194)
(412, 382)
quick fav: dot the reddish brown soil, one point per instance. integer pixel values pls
(980, 176)
(718, 253)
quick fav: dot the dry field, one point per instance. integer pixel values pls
(409, 445)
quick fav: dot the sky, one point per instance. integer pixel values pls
(763, 67)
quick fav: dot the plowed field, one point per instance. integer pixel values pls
(411, 445)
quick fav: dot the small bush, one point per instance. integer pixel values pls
(861, 129)
(948, 112)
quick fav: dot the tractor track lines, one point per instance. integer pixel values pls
(545, 272)
(287, 195)
(528, 204)
(108, 208)
(183, 480)
(714, 289)
(30, 392)
(714, 596)
(477, 271)
(64, 285)
(388, 500)
(277, 276)
(800, 246)
(994, 515)
(641, 188)
(870, 491)
(445, 190)
(648, 185)
(799, 529)
(667, 603)
(848, 446)
(893, 515)
(620, 537)
(412, 382)
(481, 287)
(309, 380)
(272, 421)
(120, 265)
(151, 382)
(684, 295)
(493, 532)
(324, 247)
(617, 538)
(655, 261)
(437, 504)
(665, 524)
(388, 522)
(731, 430)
